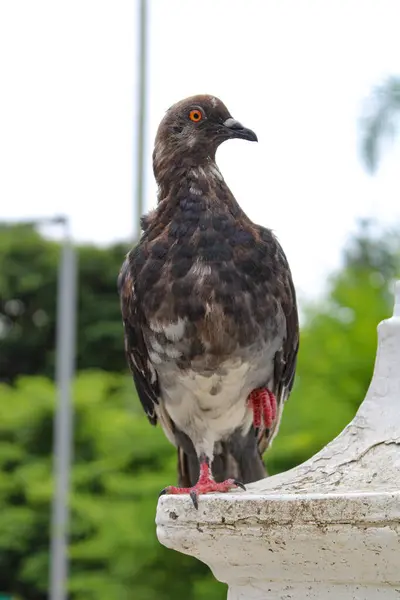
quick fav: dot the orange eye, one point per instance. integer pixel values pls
(195, 115)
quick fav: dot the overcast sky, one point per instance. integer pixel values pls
(295, 71)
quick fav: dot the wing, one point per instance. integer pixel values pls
(285, 364)
(286, 359)
(143, 372)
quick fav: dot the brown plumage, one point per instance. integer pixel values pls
(209, 309)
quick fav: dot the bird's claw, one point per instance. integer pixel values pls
(239, 484)
(263, 404)
(204, 487)
(195, 498)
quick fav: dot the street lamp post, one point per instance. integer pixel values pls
(141, 114)
(62, 430)
(65, 365)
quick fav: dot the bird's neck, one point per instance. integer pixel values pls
(198, 177)
(183, 183)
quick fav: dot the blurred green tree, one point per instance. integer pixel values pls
(28, 292)
(380, 121)
(120, 466)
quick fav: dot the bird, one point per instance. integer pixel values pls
(209, 309)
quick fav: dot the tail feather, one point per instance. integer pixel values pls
(188, 469)
(238, 458)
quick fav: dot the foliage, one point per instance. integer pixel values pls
(119, 468)
(380, 121)
(28, 292)
(121, 463)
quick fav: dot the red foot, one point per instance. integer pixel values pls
(205, 485)
(264, 407)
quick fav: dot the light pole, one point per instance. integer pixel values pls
(65, 366)
(62, 430)
(141, 114)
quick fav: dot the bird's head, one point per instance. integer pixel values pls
(192, 130)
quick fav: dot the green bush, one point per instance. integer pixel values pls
(120, 465)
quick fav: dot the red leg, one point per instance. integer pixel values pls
(205, 484)
(263, 404)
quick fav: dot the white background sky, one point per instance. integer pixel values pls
(295, 71)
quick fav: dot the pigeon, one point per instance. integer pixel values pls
(209, 310)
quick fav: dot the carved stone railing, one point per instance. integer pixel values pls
(327, 529)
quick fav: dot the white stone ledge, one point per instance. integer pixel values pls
(329, 528)
(286, 509)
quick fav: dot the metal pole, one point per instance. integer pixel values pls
(142, 105)
(66, 313)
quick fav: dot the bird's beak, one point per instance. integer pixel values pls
(236, 130)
